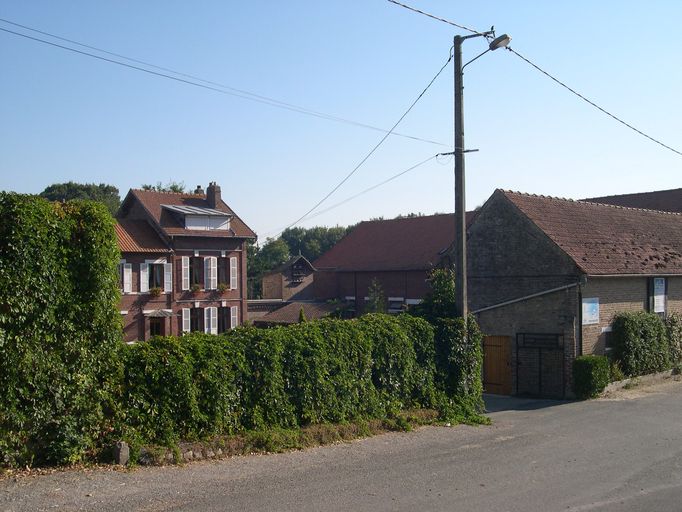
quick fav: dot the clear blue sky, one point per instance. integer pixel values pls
(68, 117)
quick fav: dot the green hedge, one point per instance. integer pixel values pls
(591, 374)
(59, 329)
(309, 373)
(673, 331)
(640, 343)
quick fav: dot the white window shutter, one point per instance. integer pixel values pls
(185, 272)
(234, 316)
(234, 274)
(127, 277)
(214, 320)
(213, 273)
(167, 277)
(207, 320)
(144, 277)
(207, 273)
(185, 320)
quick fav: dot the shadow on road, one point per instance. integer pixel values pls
(498, 403)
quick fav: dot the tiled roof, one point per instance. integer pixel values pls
(412, 243)
(289, 263)
(665, 200)
(605, 239)
(153, 202)
(289, 314)
(138, 236)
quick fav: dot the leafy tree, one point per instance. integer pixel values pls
(262, 260)
(313, 242)
(440, 301)
(102, 193)
(376, 302)
(171, 186)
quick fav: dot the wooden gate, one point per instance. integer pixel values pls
(497, 376)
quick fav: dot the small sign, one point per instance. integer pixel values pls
(659, 294)
(591, 311)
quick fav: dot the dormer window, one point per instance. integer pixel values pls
(200, 219)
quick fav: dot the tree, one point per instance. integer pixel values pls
(440, 301)
(262, 260)
(102, 193)
(301, 316)
(376, 301)
(315, 241)
(171, 186)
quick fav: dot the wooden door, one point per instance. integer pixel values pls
(497, 377)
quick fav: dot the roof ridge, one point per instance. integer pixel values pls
(587, 202)
(168, 193)
(635, 193)
(408, 218)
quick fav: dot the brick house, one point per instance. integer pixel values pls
(293, 280)
(398, 253)
(547, 275)
(183, 263)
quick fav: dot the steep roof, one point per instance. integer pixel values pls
(169, 223)
(606, 239)
(289, 263)
(138, 236)
(665, 200)
(411, 243)
(289, 314)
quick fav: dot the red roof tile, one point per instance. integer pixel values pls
(138, 236)
(665, 200)
(605, 239)
(413, 243)
(289, 314)
(153, 200)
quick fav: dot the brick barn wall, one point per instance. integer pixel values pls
(272, 286)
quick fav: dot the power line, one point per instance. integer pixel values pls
(365, 191)
(437, 18)
(207, 84)
(592, 103)
(374, 148)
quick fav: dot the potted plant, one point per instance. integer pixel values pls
(195, 288)
(155, 292)
(222, 287)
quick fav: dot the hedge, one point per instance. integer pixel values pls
(640, 343)
(59, 329)
(591, 374)
(287, 377)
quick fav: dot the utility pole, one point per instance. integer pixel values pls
(460, 201)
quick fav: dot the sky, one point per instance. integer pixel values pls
(69, 117)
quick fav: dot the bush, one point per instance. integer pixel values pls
(673, 329)
(640, 343)
(591, 375)
(59, 329)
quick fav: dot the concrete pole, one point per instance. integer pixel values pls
(460, 203)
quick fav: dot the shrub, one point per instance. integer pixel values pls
(673, 328)
(590, 375)
(615, 372)
(59, 329)
(640, 343)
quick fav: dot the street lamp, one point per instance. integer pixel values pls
(460, 206)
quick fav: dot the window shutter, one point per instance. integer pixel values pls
(167, 277)
(234, 316)
(234, 275)
(207, 320)
(144, 277)
(185, 272)
(214, 320)
(207, 273)
(185, 320)
(127, 277)
(213, 273)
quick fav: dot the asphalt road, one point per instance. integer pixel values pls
(621, 454)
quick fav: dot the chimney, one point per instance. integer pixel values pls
(213, 195)
(199, 190)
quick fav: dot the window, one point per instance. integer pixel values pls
(234, 273)
(223, 277)
(658, 292)
(125, 277)
(195, 270)
(211, 320)
(196, 319)
(223, 320)
(156, 275)
(156, 326)
(211, 273)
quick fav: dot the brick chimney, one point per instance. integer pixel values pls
(213, 195)
(199, 190)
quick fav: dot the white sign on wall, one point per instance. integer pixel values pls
(659, 294)
(591, 311)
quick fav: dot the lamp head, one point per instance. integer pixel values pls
(500, 42)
